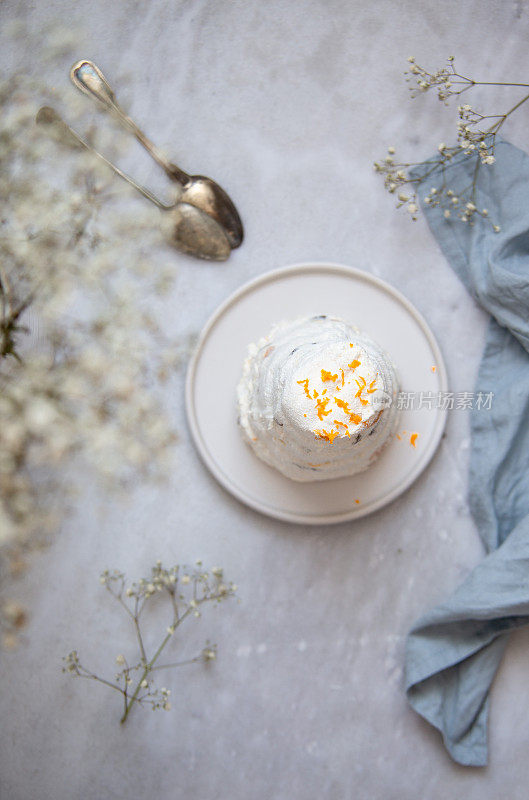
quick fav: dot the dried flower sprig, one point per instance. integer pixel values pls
(186, 591)
(476, 141)
(10, 317)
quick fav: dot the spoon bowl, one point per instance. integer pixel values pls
(195, 232)
(206, 194)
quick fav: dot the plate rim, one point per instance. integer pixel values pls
(286, 516)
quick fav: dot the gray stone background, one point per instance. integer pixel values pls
(286, 103)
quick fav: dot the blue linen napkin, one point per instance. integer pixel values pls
(454, 651)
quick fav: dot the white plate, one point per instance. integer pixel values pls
(214, 371)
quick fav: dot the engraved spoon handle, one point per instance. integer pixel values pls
(88, 78)
(47, 116)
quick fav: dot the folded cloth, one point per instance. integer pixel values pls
(453, 652)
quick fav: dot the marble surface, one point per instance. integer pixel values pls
(286, 103)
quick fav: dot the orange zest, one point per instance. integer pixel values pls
(342, 425)
(305, 385)
(356, 418)
(361, 387)
(328, 376)
(366, 424)
(320, 407)
(328, 436)
(326, 405)
(342, 404)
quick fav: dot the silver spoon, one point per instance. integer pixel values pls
(192, 230)
(199, 191)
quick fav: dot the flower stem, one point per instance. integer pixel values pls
(149, 666)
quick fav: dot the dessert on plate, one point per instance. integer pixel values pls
(316, 398)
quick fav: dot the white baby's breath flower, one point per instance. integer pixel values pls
(86, 386)
(475, 138)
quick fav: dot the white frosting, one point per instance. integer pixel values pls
(316, 398)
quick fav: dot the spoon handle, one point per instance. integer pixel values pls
(88, 78)
(48, 117)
